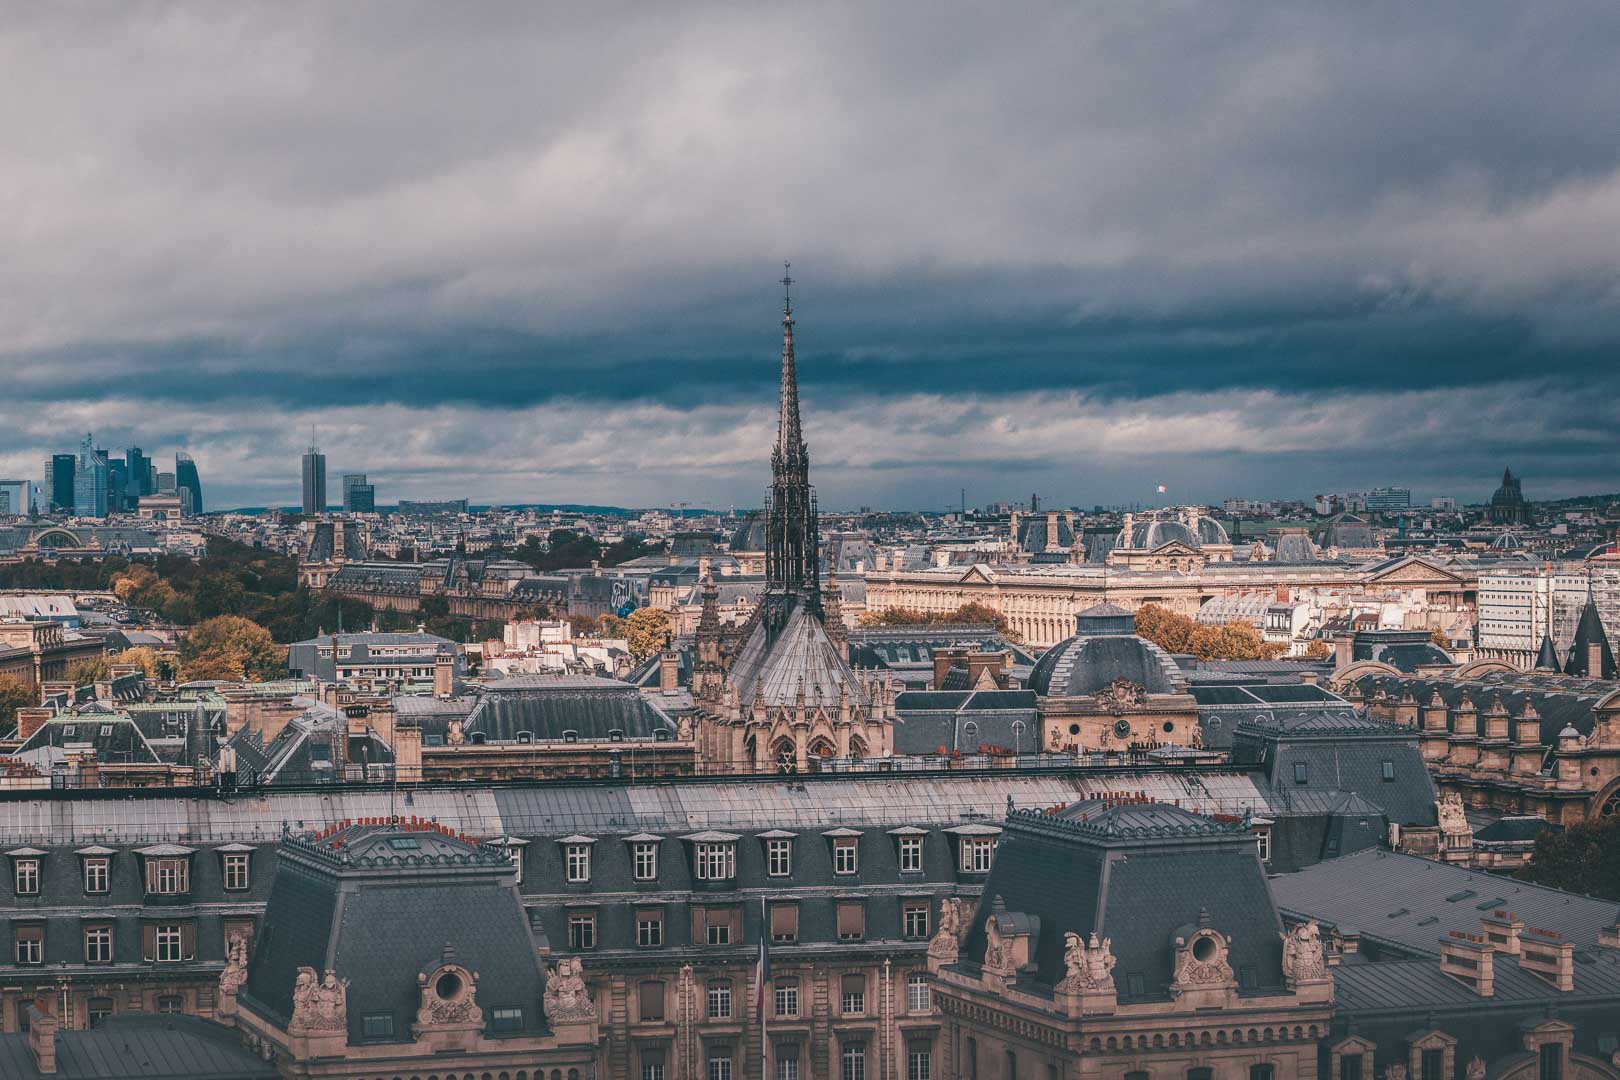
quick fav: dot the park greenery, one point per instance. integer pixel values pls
(1180, 634)
(1583, 858)
(970, 614)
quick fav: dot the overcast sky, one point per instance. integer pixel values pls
(514, 254)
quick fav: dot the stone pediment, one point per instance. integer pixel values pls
(1175, 547)
(1415, 572)
(979, 573)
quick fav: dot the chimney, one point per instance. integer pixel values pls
(408, 755)
(943, 659)
(1343, 649)
(1309, 678)
(30, 721)
(669, 670)
(444, 675)
(1547, 955)
(1594, 660)
(42, 1039)
(1502, 930)
(1469, 959)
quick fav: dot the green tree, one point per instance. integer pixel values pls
(647, 631)
(14, 694)
(1583, 858)
(91, 669)
(230, 647)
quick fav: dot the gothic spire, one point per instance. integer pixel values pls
(790, 454)
(792, 564)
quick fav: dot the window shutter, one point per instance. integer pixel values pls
(652, 1001)
(151, 877)
(854, 984)
(785, 922)
(148, 940)
(700, 925)
(851, 919)
(734, 920)
(188, 940)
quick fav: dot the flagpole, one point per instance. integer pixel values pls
(764, 1053)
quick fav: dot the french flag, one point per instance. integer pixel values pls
(762, 977)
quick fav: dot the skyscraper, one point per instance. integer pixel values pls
(90, 480)
(14, 498)
(359, 496)
(314, 481)
(137, 475)
(59, 471)
(185, 479)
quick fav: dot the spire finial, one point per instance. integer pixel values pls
(787, 288)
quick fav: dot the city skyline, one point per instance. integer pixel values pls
(1239, 255)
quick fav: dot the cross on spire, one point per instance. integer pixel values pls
(787, 287)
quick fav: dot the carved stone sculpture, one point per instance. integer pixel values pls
(1303, 958)
(235, 973)
(319, 1005)
(1452, 818)
(1396, 1071)
(568, 1000)
(1121, 694)
(440, 1008)
(947, 940)
(1476, 1069)
(1089, 965)
(1202, 961)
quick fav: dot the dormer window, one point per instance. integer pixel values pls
(168, 869)
(644, 857)
(846, 856)
(716, 861)
(1302, 772)
(977, 851)
(577, 859)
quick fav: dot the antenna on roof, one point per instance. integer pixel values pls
(787, 288)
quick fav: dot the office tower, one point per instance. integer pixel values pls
(90, 481)
(359, 497)
(185, 479)
(117, 482)
(13, 498)
(59, 471)
(314, 481)
(165, 483)
(137, 475)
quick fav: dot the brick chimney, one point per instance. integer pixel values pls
(1502, 930)
(444, 675)
(1547, 955)
(408, 755)
(669, 670)
(42, 1039)
(1469, 959)
(30, 721)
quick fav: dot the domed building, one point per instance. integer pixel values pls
(1107, 688)
(1508, 505)
(747, 544)
(1180, 538)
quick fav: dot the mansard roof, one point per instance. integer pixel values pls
(1121, 871)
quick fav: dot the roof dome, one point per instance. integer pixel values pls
(1104, 648)
(1169, 526)
(750, 535)
(1295, 547)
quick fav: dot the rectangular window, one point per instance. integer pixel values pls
(1262, 840)
(1302, 772)
(919, 992)
(650, 928)
(170, 1004)
(779, 858)
(652, 1068)
(378, 1025)
(97, 874)
(846, 858)
(716, 926)
(784, 923)
(30, 944)
(1262, 1072)
(646, 867)
(914, 918)
(852, 1062)
(852, 999)
(582, 930)
(720, 1065)
(506, 1020)
(911, 854)
(236, 871)
(787, 997)
(168, 877)
(27, 876)
(99, 1009)
(718, 934)
(716, 862)
(919, 1063)
(170, 944)
(98, 945)
(1552, 1062)
(719, 1001)
(787, 1061)
(976, 854)
(1350, 1067)
(652, 1001)
(1389, 771)
(851, 920)
(578, 860)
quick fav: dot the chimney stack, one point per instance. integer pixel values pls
(669, 670)
(30, 721)
(1547, 955)
(42, 1039)
(1469, 959)
(1502, 930)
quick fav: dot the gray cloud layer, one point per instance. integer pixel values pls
(1240, 249)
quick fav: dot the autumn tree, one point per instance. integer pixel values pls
(647, 630)
(1179, 634)
(91, 669)
(14, 694)
(230, 648)
(969, 614)
(1317, 650)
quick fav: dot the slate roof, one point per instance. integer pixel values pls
(1122, 871)
(114, 737)
(1404, 650)
(1320, 753)
(1561, 700)
(303, 750)
(964, 720)
(1409, 903)
(797, 657)
(1089, 662)
(548, 706)
(418, 888)
(140, 1046)
(1589, 632)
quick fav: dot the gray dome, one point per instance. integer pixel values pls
(1032, 533)
(750, 535)
(1147, 535)
(1211, 531)
(1295, 547)
(1105, 648)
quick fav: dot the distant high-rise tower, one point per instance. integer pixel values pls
(90, 480)
(314, 481)
(137, 475)
(359, 496)
(185, 479)
(59, 471)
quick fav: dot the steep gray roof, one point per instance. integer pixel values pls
(140, 1046)
(799, 656)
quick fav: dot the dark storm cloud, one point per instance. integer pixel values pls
(1340, 222)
